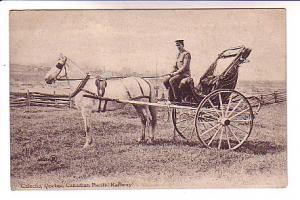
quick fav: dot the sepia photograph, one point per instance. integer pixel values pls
(147, 98)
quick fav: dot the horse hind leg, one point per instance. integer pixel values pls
(143, 120)
(153, 120)
(148, 118)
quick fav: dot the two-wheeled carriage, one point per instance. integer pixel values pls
(222, 118)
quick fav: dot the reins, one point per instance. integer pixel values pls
(101, 78)
(84, 81)
(111, 78)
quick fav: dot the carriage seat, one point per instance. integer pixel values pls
(204, 87)
(186, 81)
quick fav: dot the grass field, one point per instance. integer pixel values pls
(46, 148)
(46, 153)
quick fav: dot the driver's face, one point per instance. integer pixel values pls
(179, 46)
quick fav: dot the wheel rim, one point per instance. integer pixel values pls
(224, 120)
(183, 121)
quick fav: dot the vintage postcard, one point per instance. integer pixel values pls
(130, 99)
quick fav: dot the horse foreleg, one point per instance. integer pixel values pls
(143, 135)
(87, 126)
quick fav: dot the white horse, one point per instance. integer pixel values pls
(123, 89)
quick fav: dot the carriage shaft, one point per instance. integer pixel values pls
(142, 103)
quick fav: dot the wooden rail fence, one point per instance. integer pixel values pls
(18, 99)
(275, 97)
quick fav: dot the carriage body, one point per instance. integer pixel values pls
(221, 74)
(222, 118)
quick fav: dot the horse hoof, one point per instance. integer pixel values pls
(141, 140)
(87, 146)
(150, 141)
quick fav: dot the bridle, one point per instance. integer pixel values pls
(61, 67)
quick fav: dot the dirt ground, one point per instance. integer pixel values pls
(46, 153)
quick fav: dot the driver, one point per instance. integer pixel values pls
(181, 70)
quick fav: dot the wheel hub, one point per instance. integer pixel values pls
(225, 121)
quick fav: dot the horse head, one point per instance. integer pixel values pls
(55, 72)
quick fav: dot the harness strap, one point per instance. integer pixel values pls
(80, 86)
(126, 89)
(101, 94)
(139, 86)
(87, 91)
(150, 90)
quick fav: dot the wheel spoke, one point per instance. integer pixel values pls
(220, 140)
(193, 131)
(214, 107)
(184, 120)
(228, 105)
(210, 129)
(228, 142)
(204, 126)
(240, 120)
(213, 137)
(211, 124)
(237, 114)
(184, 129)
(234, 108)
(239, 129)
(207, 122)
(221, 105)
(234, 134)
(211, 115)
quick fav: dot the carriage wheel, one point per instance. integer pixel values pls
(183, 121)
(224, 119)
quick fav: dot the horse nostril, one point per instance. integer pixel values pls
(48, 81)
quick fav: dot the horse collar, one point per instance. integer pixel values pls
(80, 86)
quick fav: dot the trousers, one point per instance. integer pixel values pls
(172, 84)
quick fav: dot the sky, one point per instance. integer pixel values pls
(143, 40)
